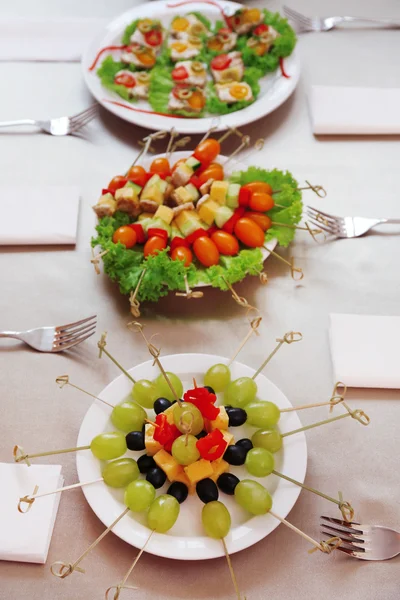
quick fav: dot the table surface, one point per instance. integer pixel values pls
(41, 286)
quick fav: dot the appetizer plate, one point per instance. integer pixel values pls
(275, 88)
(186, 539)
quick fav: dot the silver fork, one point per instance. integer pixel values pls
(55, 339)
(345, 227)
(367, 542)
(60, 125)
(327, 23)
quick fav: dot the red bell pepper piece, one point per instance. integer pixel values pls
(175, 433)
(106, 191)
(230, 224)
(149, 176)
(164, 433)
(177, 241)
(195, 235)
(212, 446)
(140, 234)
(194, 180)
(157, 231)
(204, 401)
(212, 230)
(244, 197)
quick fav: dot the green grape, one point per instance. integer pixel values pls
(163, 388)
(187, 417)
(240, 392)
(120, 472)
(184, 450)
(139, 495)
(270, 439)
(128, 416)
(145, 393)
(163, 513)
(259, 462)
(216, 519)
(107, 446)
(217, 377)
(253, 496)
(262, 414)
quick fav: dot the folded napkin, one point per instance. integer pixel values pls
(38, 215)
(26, 537)
(354, 110)
(46, 39)
(364, 350)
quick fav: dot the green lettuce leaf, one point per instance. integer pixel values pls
(215, 105)
(107, 71)
(129, 30)
(202, 18)
(235, 268)
(161, 84)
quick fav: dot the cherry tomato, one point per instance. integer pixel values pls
(213, 171)
(249, 233)
(126, 236)
(258, 186)
(117, 182)
(179, 73)
(226, 243)
(125, 79)
(206, 251)
(262, 220)
(183, 254)
(261, 29)
(154, 245)
(178, 162)
(197, 100)
(207, 151)
(220, 62)
(153, 37)
(261, 202)
(137, 175)
(160, 166)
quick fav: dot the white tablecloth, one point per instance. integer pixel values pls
(57, 285)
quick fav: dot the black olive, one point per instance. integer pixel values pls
(207, 490)
(135, 440)
(245, 443)
(227, 483)
(237, 416)
(210, 389)
(156, 477)
(145, 463)
(201, 434)
(161, 404)
(179, 491)
(235, 455)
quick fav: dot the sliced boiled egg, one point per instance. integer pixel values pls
(183, 50)
(234, 91)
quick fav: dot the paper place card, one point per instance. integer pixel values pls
(364, 350)
(26, 537)
(33, 215)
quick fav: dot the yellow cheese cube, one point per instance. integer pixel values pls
(126, 193)
(168, 464)
(152, 193)
(219, 190)
(182, 477)
(221, 422)
(207, 211)
(152, 446)
(199, 470)
(169, 413)
(165, 213)
(181, 195)
(229, 438)
(219, 467)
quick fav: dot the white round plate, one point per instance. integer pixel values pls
(186, 539)
(275, 89)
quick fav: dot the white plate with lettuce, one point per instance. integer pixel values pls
(270, 85)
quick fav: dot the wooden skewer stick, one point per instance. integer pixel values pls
(245, 142)
(326, 547)
(189, 294)
(146, 146)
(357, 414)
(288, 338)
(180, 143)
(254, 324)
(63, 380)
(102, 348)
(293, 269)
(332, 402)
(135, 304)
(20, 456)
(215, 120)
(30, 499)
(95, 260)
(231, 571)
(317, 189)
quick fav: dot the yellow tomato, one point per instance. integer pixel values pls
(238, 91)
(180, 24)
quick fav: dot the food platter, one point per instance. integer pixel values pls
(186, 540)
(274, 87)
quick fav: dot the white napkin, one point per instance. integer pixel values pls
(26, 537)
(364, 350)
(38, 215)
(46, 39)
(354, 110)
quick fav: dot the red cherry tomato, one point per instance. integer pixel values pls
(220, 62)
(160, 166)
(154, 245)
(206, 251)
(178, 162)
(260, 29)
(213, 171)
(261, 202)
(140, 234)
(179, 74)
(226, 243)
(126, 236)
(183, 254)
(262, 220)
(207, 151)
(178, 241)
(137, 175)
(125, 79)
(258, 186)
(153, 37)
(249, 233)
(225, 30)
(244, 196)
(117, 182)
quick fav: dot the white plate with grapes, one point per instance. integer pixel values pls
(199, 479)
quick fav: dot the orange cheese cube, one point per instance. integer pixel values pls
(169, 413)
(219, 467)
(228, 437)
(152, 446)
(199, 470)
(168, 464)
(181, 476)
(221, 422)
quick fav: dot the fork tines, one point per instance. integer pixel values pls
(300, 19)
(323, 220)
(352, 535)
(83, 118)
(74, 333)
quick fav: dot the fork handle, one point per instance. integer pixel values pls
(16, 123)
(10, 334)
(389, 222)
(387, 22)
